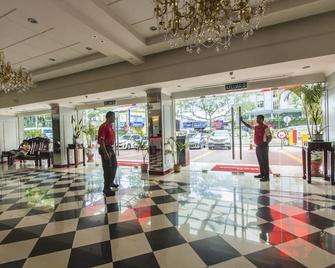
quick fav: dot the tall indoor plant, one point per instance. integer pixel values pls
(90, 132)
(311, 99)
(77, 128)
(176, 148)
(142, 146)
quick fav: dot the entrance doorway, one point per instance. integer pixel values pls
(218, 141)
(130, 126)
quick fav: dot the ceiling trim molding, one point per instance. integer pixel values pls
(220, 89)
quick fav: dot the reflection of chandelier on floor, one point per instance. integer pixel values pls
(13, 80)
(208, 23)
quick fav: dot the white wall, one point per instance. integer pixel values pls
(9, 137)
(331, 106)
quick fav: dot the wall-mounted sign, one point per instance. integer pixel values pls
(241, 85)
(109, 102)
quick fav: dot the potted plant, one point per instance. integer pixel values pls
(77, 128)
(310, 97)
(90, 132)
(175, 149)
(142, 146)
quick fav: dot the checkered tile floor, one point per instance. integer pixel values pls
(54, 219)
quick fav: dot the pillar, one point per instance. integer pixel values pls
(161, 127)
(329, 110)
(62, 132)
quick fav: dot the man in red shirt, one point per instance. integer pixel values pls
(262, 137)
(106, 138)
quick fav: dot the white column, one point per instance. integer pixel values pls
(63, 133)
(9, 138)
(331, 107)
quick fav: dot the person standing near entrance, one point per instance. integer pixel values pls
(106, 139)
(262, 137)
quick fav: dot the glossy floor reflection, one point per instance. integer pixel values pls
(61, 219)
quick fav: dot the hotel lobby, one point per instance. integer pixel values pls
(176, 74)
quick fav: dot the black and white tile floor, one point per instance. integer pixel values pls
(58, 219)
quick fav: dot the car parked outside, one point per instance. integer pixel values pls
(197, 141)
(220, 139)
(128, 141)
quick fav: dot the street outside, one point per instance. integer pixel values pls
(287, 156)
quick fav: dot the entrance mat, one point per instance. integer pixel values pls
(129, 163)
(233, 168)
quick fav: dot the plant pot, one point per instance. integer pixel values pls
(316, 167)
(176, 168)
(317, 137)
(90, 157)
(74, 140)
(144, 168)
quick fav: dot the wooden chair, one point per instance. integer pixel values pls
(39, 149)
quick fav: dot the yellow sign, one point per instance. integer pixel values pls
(304, 138)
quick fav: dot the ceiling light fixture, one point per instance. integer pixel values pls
(203, 23)
(89, 48)
(13, 79)
(52, 59)
(32, 20)
(153, 28)
(306, 67)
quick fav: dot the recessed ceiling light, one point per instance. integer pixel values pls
(178, 85)
(70, 102)
(132, 93)
(32, 20)
(153, 28)
(101, 41)
(52, 59)
(306, 67)
(94, 36)
(86, 97)
(89, 48)
(231, 73)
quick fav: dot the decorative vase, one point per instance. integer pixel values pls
(74, 140)
(317, 137)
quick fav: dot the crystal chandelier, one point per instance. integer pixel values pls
(208, 23)
(13, 80)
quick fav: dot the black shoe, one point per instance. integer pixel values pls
(259, 176)
(264, 179)
(114, 185)
(108, 192)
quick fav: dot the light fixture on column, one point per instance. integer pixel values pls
(197, 23)
(13, 79)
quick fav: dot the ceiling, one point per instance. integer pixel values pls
(76, 35)
(280, 73)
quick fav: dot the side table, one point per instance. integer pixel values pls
(326, 148)
(75, 148)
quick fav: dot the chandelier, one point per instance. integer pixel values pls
(208, 23)
(13, 80)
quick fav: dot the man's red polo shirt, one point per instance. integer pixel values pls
(106, 133)
(260, 134)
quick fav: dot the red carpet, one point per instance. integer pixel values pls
(129, 163)
(233, 168)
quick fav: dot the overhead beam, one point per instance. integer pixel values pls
(92, 16)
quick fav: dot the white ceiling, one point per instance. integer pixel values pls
(115, 30)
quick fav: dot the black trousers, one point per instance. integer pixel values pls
(109, 167)
(262, 152)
